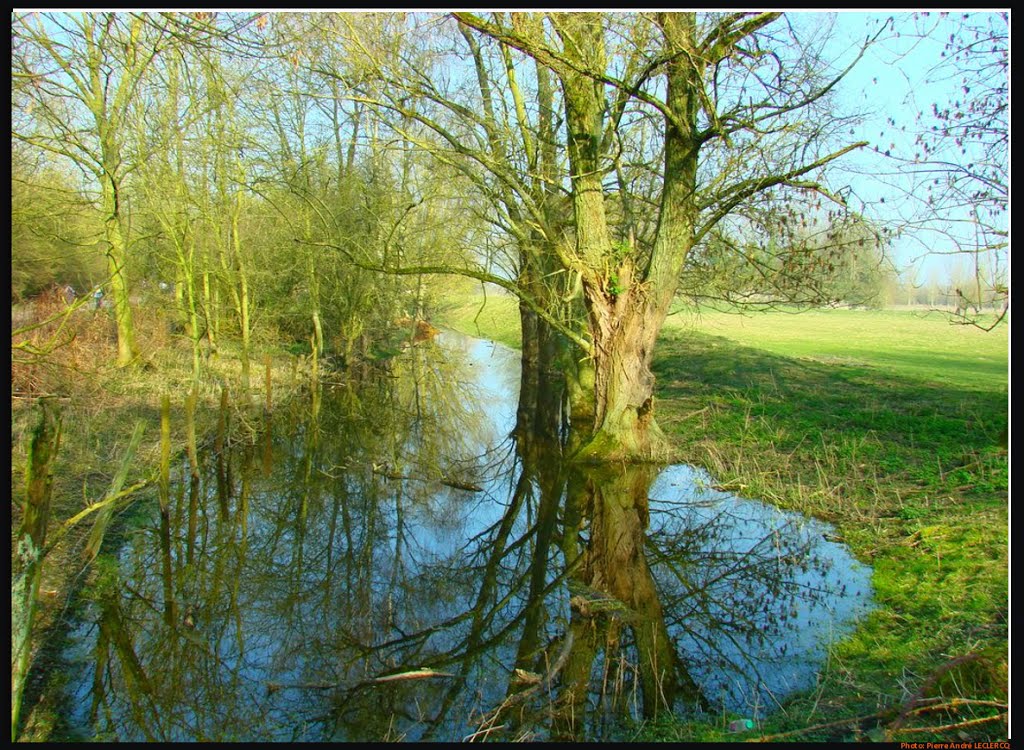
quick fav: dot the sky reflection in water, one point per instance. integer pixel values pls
(396, 526)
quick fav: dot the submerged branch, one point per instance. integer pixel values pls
(95, 507)
(447, 481)
(415, 674)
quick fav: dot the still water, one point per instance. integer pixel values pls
(399, 559)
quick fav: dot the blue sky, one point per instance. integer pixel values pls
(892, 80)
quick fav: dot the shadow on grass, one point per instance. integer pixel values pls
(855, 418)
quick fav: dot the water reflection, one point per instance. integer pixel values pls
(407, 558)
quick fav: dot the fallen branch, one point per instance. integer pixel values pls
(693, 414)
(916, 705)
(462, 485)
(416, 674)
(815, 727)
(543, 683)
(108, 500)
(482, 733)
(947, 727)
(455, 483)
(918, 698)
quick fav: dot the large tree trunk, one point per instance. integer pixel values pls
(626, 302)
(624, 424)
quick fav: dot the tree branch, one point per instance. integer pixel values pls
(473, 273)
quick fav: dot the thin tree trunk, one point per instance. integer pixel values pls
(211, 314)
(243, 292)
(127, 351)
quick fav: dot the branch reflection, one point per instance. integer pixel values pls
(419, 563)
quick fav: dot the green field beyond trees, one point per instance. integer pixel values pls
(915, 344)
(893, 427)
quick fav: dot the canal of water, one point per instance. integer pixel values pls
(396, 559)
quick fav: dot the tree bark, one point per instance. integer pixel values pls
(627, 304)
(127, 351)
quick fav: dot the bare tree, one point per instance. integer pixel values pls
(958, 163)
(732, 89)
(79, 76)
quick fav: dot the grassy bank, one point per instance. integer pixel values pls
(891, 426)
(100, 405)
(493, 316)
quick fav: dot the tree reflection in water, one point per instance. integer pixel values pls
(418, 563)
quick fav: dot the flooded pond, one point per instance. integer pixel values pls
(408, 558)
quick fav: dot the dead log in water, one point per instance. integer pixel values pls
(447, 481)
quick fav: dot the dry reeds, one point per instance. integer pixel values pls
(55, 346)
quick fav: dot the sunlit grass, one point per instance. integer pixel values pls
(494, 316)
(925, 345)
(920, 344)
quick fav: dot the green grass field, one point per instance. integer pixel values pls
(915, 344)
(893, 427)
(919, 345)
